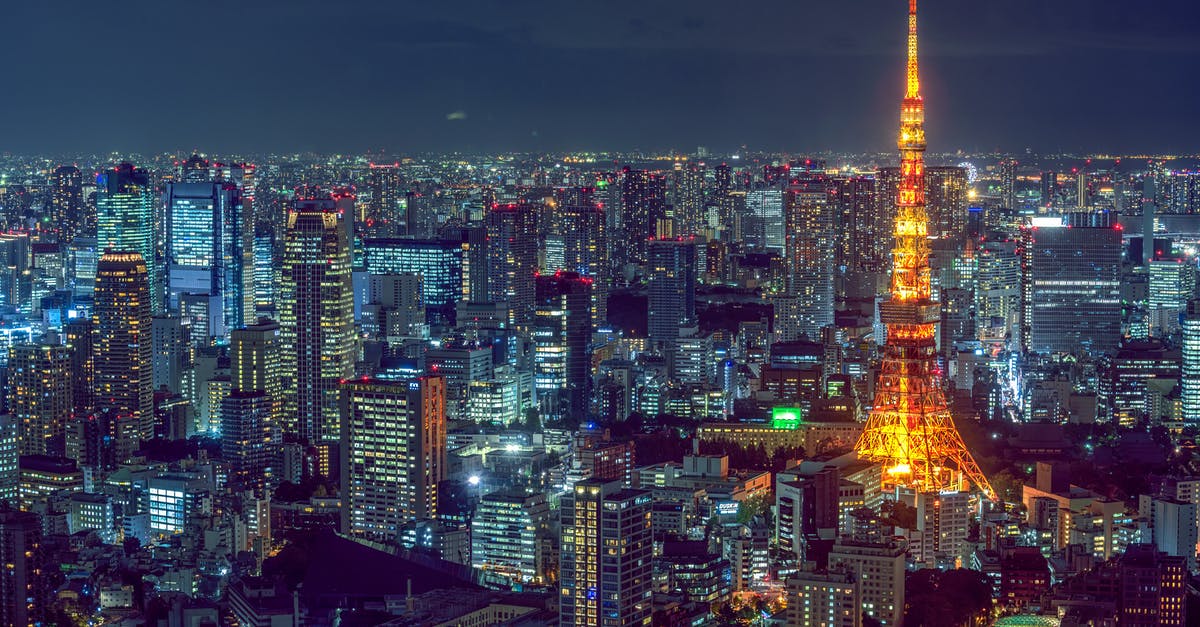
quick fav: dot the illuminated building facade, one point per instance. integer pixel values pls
(810, 255)
(1190, 377)
(316, 318)
(125, 211)
(671, 302)
(40, 396)
(66, 202)
(512, 253)
(439, 263)
(393, 454)
(251, 413)
(910, 431)
(605, 564)
(562, 331)
(206, 250)
(124, 377)
(505, 532)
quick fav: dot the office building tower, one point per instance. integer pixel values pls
(764, 212)
(1173, 525)
(1082, 193)
(605, 564)
(1189, 380)
(997, 287)
(439, 263)
(585, 250)
(1007, 169)
(393, 454)
(385, 193)
(265, 269)
(79, 336)
(810, 253)
(562, 331)
(473, 240)
(16, 280)
(40, 396)
(506, 530)
(946, 198)
(125, 222)
(316, 321)
(123, 358)
(170, 352)
(9, 459)
(1172, 285)
(943, 521)
(687, 197)
(395, 306)
(512, 234)
(251, 429)
(671, 282)
(1049, 185)
(857, 236)
(643, 206)
(25, 588)
(207, 238)
(1071, 273)
(66, 202)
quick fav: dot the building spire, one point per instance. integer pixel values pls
(913, 84)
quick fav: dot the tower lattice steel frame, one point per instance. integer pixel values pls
(910, 430)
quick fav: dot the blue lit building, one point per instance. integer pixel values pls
(439, 262)
(125, 221)
(206, 228)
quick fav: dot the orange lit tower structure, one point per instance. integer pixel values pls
(910, 430)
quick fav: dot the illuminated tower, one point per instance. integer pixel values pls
(123, 379)
(910, 430)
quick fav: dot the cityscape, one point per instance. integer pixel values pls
(704, 386)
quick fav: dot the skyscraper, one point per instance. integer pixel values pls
(605, 566)
(910, 431)
(505, 533)
(317, 342)
(250, 415)
(40, 396)
(585, 250)
(439, 263)
(66, 201)
(687, 196)
(125, 211)
(643, 203)
(946, 187)
(24, 590)
(512, 258)
(810, 254)
(206, 240)
(393, 454)
(124, 378)
(562, 331)
(1189, 379)
(1071, 271)
(671, 301)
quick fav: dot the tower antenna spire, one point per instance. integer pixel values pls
(910, 430)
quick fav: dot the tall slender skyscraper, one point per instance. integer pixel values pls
(810, 255)
(250, 415)
(643, 197)
(393, 454)
(316, 318)
(66, 201)
(562, 330)
(125, 211)
(671, 302)
(123, 357)
(910, 430)
(606, 555)
(512, 258)
(1190, 376)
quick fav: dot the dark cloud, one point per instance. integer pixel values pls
(265, 75)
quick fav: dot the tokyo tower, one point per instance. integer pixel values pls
(910, 431)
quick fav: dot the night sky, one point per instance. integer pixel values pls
(352, 75)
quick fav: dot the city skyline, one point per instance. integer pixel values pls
(548, 77)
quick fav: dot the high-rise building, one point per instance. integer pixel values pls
(687, 196)
(125, 212)
(857, 236)
(671, 301)
(66, 201)
(810, 254)
(206, 250)
(643, 206)
(828, 598)
(251, 414)
(40, 396)
(946, 189)
(764, 210)
(585, 250)
(910, 431)
(505, 533)
(1049, 184)
(316, 330)
(79, 335)
(562, 331)
(878, 568)
(25, 588)
(1189, 380)
(124, 378)
(393, 454)
(1071, 272)
(439, 263)
(605, 565)
(1152, 588)
(170, 352)
(1172, 285)
(460, 363)
(512, 235)
(385, 191)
